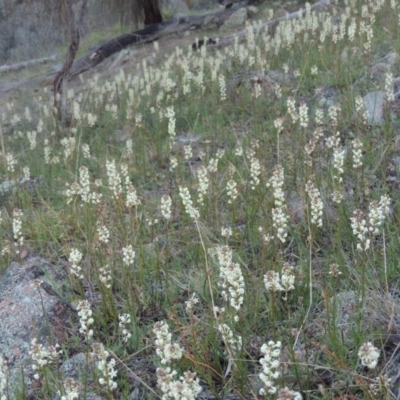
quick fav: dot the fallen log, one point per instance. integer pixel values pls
(149, 34)
(178, 25)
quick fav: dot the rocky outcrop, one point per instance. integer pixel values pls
(31, 308)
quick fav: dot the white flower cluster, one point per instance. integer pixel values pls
(312, 144)
(232, 191)
(333, 112)
(274, 283)
(105, 276)
(186, 387)
(255, 169)
(360, 230)
(191, 303)
(202, 175)
(129, 147)
(75, 257)
(338, 160)
(128, 255)
(287, 277)
(389, 86)
(278, 124)
(10, 160)
(17, 227)
(316, 203)
(361, 110)
(132, 199)
(114, 178)
(222, 87)
(42, 356)
(212, 166)
(170, 114)
(104, 233)
(32, 139)
(357, 153)
(85, 318)
(188, 203)
(105, 366)
(124, 320)
(68, 145)
(291, 108)
(230, 340)
(173, 163)
(377, 213)
(303, 115)
(279, 214)
(187, 152)
(287, 394)
(47, 154)
(238, 151)
(71, 388)
(82, 189)
(166, 204)
(270, 364)
(27, 173)
(230, 278)
(85, 150)
(333, 142)
(165, 349)
(369, 355)
(226, 232)
(376, 217)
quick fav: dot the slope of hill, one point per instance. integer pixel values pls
(220, 223)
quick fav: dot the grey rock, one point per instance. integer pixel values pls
(378, 71)
(210, 22)
(203, 4)
(176, 4)
(236, 20)
(349, 53)
(88, 396)
(383, 66)
(252, 11)
(249, 81)
(396, 86)
(327, 96)
(374, 105)
(281, 77)
(180, 16)
(9, 187)
(27, 313)
(75, 367)
(390, 58)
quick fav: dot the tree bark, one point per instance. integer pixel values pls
(152, 14)
(74, 27)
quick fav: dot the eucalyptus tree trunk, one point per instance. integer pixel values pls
(74, 27)
(151, 9)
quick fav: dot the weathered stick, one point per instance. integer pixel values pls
(26, 64)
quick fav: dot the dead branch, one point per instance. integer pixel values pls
(26, 64)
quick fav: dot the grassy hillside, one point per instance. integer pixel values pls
(232, 208)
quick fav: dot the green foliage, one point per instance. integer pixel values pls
(232, 173)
